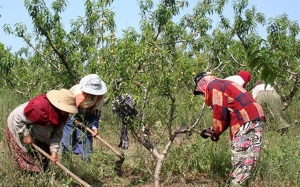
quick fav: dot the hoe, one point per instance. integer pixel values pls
(120, 162)
(61, 166)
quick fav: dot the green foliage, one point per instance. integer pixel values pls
(195, 161)
(7, 60)
(65, 56)
(202, 156)
(260, 59)
(156, 65)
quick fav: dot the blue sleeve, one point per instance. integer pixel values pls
(93, 121)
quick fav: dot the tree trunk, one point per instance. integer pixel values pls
(160, 162)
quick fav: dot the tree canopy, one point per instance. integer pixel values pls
(162, 56)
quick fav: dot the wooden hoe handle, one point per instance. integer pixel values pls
(103, 141)
(61, 166)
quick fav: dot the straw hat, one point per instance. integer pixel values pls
(63, 99)
(92, 84)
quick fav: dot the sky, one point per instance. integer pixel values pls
(127, 14)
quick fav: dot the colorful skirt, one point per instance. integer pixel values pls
(30, 161)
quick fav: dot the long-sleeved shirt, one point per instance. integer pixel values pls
(21, 126)
(260, 88)
(232, 106)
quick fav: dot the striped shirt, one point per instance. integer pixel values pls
(232, 106)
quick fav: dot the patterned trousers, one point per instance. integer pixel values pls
(245, 148)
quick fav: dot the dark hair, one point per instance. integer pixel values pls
(196, 80)
(199, 77)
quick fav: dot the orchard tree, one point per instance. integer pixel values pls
(156, 64)
(265, 58)
(282, 51)
(165, 58)
(7, 60)
(56, 57)
(8, 69)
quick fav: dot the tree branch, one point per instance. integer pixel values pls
(236, 60)
(40, 53)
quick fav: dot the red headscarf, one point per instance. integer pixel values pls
(246, 76)
(40, 111)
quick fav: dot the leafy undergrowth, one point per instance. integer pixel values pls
(195, 162)
(192, 161)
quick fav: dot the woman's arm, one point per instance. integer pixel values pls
(20, 123)
(55, 139)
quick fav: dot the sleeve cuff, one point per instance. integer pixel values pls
(54, 148)
(26, 132)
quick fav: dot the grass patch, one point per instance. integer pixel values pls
(193, 162)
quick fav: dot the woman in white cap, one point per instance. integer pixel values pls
(40, 121)
(89, 94)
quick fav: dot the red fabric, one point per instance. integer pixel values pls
(232, 106)
(246, 76)
(40, 111)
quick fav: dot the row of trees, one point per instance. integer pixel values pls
(163, 55)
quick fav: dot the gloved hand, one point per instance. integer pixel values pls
(206, 133)
(214, 138)
(95, 132)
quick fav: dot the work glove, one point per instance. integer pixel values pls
(95, 132)
(214, 138)
(206, 133)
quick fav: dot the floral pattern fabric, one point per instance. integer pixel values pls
(246, 147)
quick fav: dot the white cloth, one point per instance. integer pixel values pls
(260, 88)
(236, 79)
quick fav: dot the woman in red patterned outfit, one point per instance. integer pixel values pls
(235, 108)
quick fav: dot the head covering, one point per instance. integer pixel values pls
(246, 76)
(63, 100)
(201, 81)
(92, 84)
(84, 100)
(45, 109)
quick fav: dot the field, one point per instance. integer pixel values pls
(191, 161)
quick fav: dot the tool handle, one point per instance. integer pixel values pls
(61, 166)
(103, 141)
